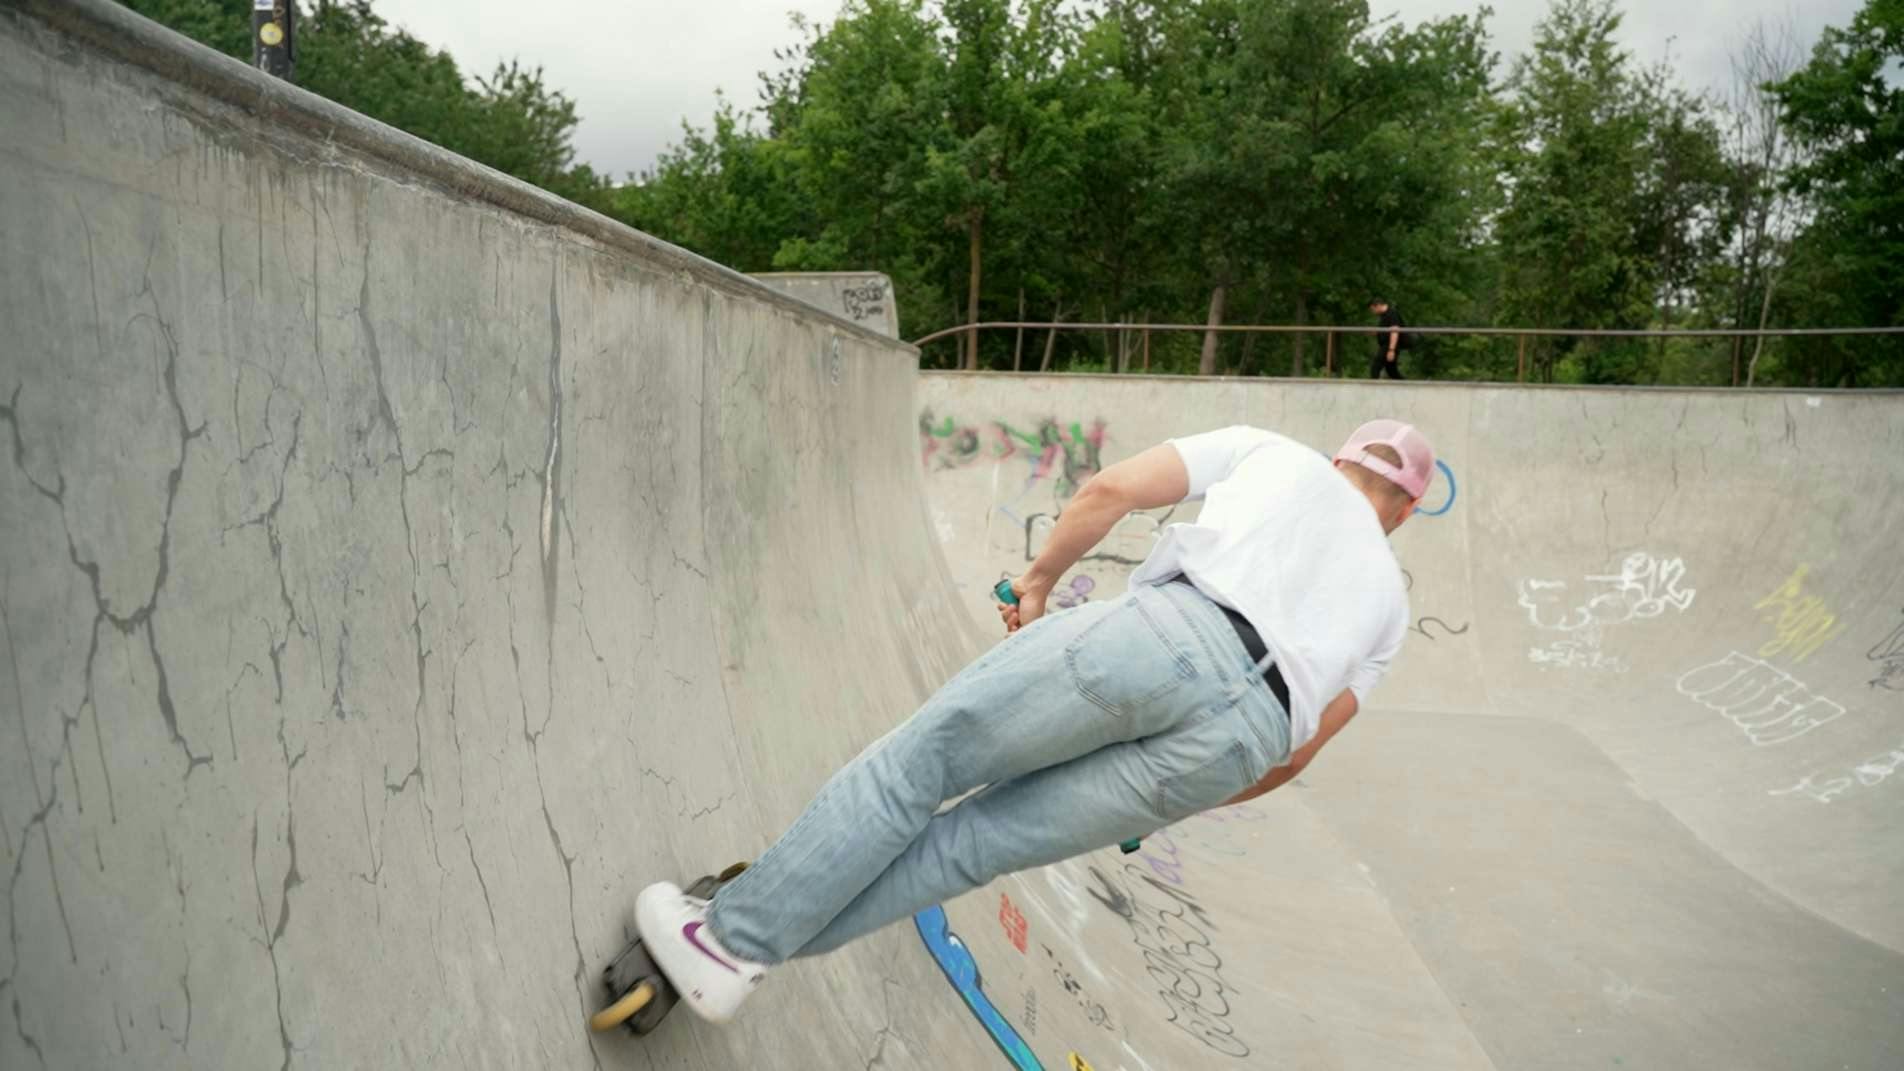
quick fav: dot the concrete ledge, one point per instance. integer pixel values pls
(140, 42)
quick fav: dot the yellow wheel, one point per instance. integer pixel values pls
(732, 872)
(624, 1009)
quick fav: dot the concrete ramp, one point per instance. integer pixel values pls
(400, 567)
(1634, 795)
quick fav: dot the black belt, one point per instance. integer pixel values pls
(1252, 642)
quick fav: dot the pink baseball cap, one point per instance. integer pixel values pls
(1417, 454)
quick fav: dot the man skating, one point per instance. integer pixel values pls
(1246, 641)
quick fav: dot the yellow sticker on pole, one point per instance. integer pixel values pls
(271, 34)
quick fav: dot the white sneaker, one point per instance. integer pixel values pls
(712, 980)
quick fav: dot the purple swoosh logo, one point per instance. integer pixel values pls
(689, 932)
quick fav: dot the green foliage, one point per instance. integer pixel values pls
(1247, 160)
(726, 193)
(511, 121)
(1352, 149)
(1274, 160)
(1605, 168)
(1847, 266)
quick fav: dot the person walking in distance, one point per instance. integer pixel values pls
(1247, 640)
(1389, 342)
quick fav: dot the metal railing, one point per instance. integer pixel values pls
(1330, 331)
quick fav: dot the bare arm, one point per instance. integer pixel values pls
(1334, 717)
(1157, 477)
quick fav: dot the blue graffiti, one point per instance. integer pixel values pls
(1448, 473)
(961, 970)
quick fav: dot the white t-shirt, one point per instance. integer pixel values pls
(1289, 543)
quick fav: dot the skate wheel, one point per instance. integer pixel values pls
(732, 872)
(624, 1009)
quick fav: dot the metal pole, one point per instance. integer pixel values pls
(1480, 332)
(274, 37)
(1146, 349)
(1520, 370)
(1328, 354)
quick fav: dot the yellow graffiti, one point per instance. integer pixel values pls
(1079, 1063)
(1801, 624)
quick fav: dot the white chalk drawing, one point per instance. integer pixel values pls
(1581, 653)
(1645, 587)
(1810, 788)
(1870, 773)
(1768, 704)
(943, 527)
(1623, 993)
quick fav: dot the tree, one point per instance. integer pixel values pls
(1759, 212)
(858, 111)
(1678, 204)
(1576, 132)
(1098, 236)
(1269, 160)
(511, 121)
(726, 193)
(1847, 112)
(221, 24)
(1311, 151)
(1005, 124)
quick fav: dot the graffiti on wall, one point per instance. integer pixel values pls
(1172, 931)
(1012, 920)
(955, 959)
(1076, 593)
(1065, 453)
(1800, 623)
(945, 444)
(1127, 543)
(1769, 705)
(1870, 773)
(1440, 624)
(1645, 587)
(864, 302)
(1094, 1010)
(1069, 454)
(1888, 654)
(1447, 504)
(1421, 626)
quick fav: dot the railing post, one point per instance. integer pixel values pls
(274, 38)
(1328, 354)
(1520, 370)
(1147, 349)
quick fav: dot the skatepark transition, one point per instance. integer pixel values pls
(401, 567)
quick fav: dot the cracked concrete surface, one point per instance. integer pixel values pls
(286, 396)
(1525, 855)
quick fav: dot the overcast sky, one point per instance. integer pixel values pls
(636, 68)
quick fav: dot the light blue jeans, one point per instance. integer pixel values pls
(1090, 726)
